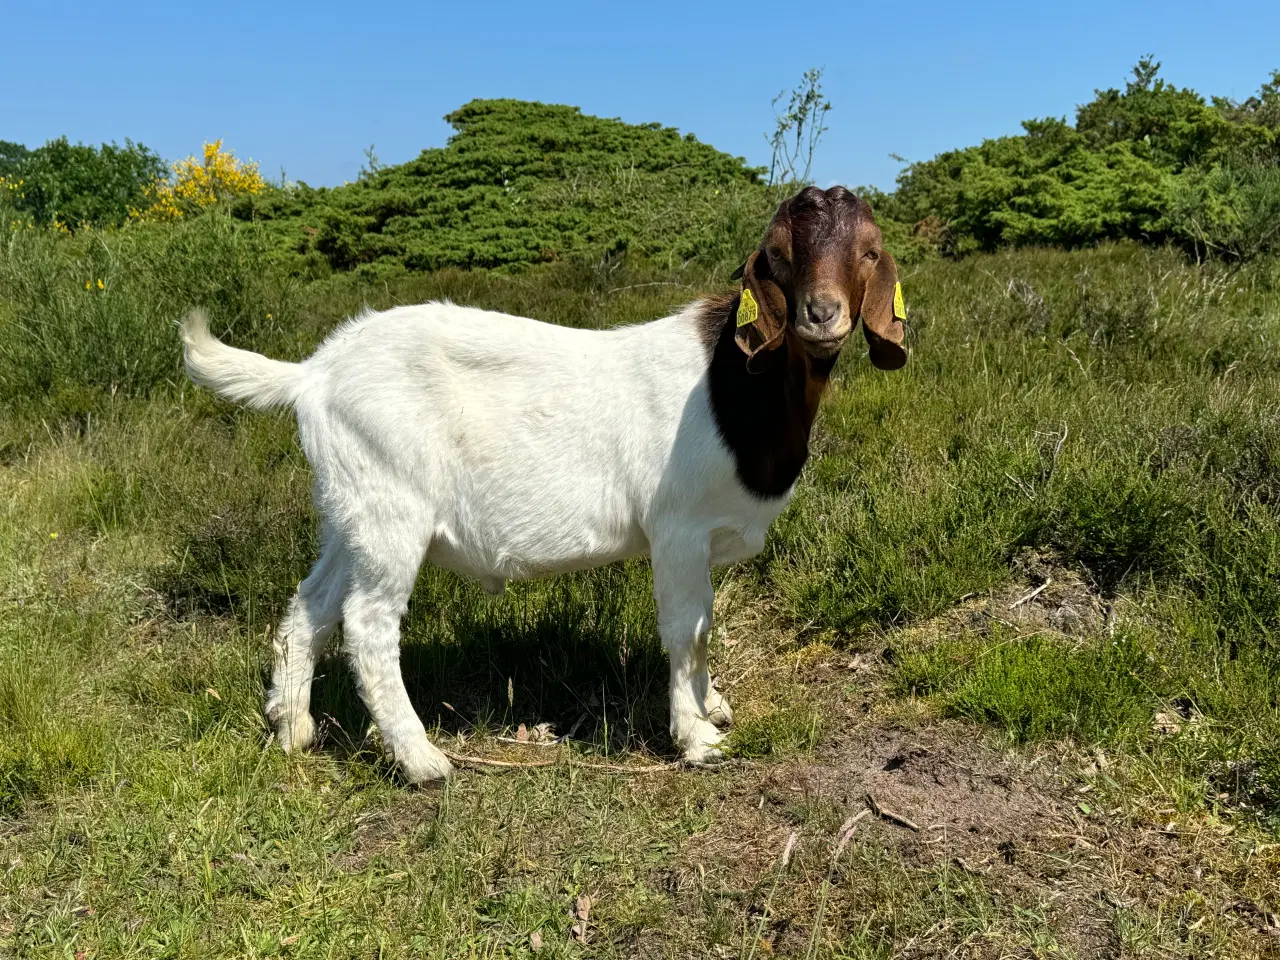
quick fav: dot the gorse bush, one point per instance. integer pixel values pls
(70, 186)
(215, 178)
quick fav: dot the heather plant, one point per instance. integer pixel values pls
(1099, 421)
(97, 309)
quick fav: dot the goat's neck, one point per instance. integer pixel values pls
(764, 416)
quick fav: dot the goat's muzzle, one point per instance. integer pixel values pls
(824, 325)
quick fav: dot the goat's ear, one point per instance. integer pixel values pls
(761, 318)
(882, 314)
(737, 274)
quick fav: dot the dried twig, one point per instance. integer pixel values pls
(570, 761)
(506, 764)
(1031, 594)
(884, 813)
(655, 283)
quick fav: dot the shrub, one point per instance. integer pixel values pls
(11, 156)
(73, 185)
(1152, 162)
(522, 183)
(1229, 210)
(216, 178)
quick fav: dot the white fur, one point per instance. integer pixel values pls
(501, 448)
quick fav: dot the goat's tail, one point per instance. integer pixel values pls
(236, 374)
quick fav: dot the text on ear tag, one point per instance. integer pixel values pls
(899, 308)
(748, 309)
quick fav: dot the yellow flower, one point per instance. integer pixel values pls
(88, 284)
(203, 182)
(100, 284)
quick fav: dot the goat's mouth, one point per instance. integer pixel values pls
(822, 342)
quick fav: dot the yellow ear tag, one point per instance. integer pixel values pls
(899, 309)
(748, 309)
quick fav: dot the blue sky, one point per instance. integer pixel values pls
(306, 87)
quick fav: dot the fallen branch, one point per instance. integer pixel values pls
(481, 762)
(1032, 594)
(884, 813)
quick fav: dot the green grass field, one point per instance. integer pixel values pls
(1026, 602)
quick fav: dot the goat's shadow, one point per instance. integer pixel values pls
(579, 652)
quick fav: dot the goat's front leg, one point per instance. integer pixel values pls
(682, 588)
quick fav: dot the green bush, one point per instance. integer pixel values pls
(523, 183)
(1230, 210)
(1152, 162)
(74, 184)
(11, 157)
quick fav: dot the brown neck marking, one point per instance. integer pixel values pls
(763, 415)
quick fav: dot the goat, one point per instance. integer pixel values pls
(503, 448)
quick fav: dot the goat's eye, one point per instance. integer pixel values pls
(871, 256)
(775, 255)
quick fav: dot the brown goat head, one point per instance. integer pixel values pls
(820, 267)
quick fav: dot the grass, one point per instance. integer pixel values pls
(1105, 420)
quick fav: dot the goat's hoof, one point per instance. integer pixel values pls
(296, 733)
(703, 744)
(718, 710)
(705, 756)
(423, 763)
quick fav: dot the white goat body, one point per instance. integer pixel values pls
(500, 448)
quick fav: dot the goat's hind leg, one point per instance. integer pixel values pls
(380, 589)
(314, 612)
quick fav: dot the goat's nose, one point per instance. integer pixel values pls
(823, 311)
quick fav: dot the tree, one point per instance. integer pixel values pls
(11, 157)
